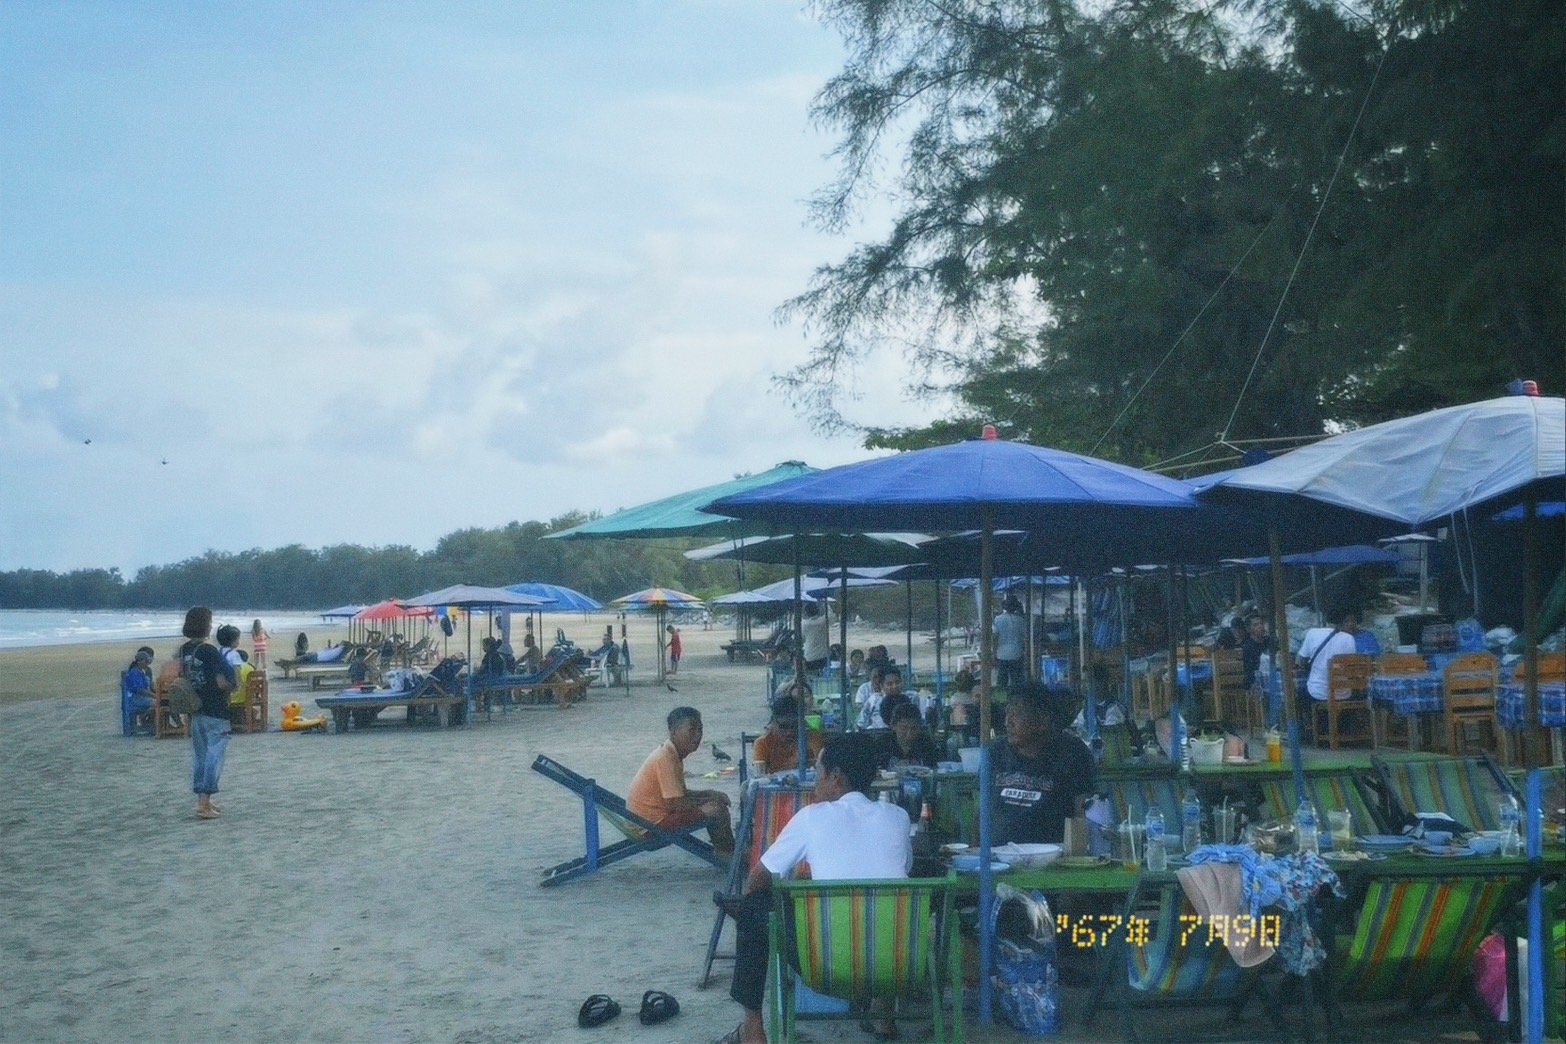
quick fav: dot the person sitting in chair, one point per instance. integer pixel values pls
(909, 742)
(1040, 772)
(138, 681)
(658, 793)
(873, 715)
(844, 835)
(493, 662)
(778, 747)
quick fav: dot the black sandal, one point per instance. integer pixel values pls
(657, 1007)
(597, 1010)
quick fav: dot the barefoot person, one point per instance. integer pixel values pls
(658, 793)
(844, 836)
(213, 679)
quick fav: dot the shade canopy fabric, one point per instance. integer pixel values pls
(657, 598)
(561, 599)
(814, 587)
(818, 549)
(1353, 554)
(743, 598)
(683, 515)
(471, 596)
(1419, 470)
(342, 612)
(392, 610)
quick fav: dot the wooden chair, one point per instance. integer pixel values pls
(165, 723)
(1552, 669)
(1348, 696)
(1395, 665)
(889, 941)
(1468, 691)
(1232, 701)
(253, 713)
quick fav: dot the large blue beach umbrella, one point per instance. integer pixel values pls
(985, 484)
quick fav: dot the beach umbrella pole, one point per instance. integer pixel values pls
(1534, 732)
(986, 877)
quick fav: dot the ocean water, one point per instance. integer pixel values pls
(26, 627)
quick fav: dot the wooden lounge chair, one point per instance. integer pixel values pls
(641, 835)
(865, 941)
(431, 692)
(558, 680)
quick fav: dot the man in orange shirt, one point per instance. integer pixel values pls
(778, 747)
(658, 793)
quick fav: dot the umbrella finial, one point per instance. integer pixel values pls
(988, 433)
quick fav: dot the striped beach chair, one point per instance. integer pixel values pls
(1415, 938)
(1326, 792)
(764, 814)
(1467, 789)
(865, 941)
(1169, 959)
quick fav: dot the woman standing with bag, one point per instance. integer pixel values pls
(204, 667)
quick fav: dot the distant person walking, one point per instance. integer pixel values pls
(676, 648)
(258, 641)
(209, 674)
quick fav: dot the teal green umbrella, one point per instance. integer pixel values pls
(681, 514)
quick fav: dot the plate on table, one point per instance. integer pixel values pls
(1082, 862)
(970, 865)
(1443, 851)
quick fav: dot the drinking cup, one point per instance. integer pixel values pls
(1129, 845)
(1224, 821)
(1340, 824)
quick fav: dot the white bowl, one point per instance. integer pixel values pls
(970, 758)
(1028, 856)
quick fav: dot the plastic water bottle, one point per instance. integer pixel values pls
(1305, 827)
(1191, 822)
(1157, 853)
(1511, 818)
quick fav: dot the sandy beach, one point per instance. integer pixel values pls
(380, 885)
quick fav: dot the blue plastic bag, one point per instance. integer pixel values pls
(1025, 977)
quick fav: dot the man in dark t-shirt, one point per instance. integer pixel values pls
(1039, 772)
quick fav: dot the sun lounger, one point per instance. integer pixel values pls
(557, 680)
(359, 707)
(337, 656)
(640, 834)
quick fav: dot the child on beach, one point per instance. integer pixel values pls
(676, 649)
(258, 641)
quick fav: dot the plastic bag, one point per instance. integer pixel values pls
(1025, 979)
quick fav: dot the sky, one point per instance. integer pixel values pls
(319, 273)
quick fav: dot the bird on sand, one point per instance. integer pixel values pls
(718, 754)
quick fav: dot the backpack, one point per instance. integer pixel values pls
(178, 687)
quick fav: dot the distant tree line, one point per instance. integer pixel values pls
(297, 577)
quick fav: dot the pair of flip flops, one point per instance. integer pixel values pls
(598, 1009)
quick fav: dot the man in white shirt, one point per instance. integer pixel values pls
(844, 835)
(816, 632)
(1318, 648)
(1011, 646)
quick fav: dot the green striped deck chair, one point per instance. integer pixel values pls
(1278, 800)
(1117, 744)
(1467, 789)
(1170, 959)
(864, 941)
(1133, 797)
(1416, 936)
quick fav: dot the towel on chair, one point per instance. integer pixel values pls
(1216, 890)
